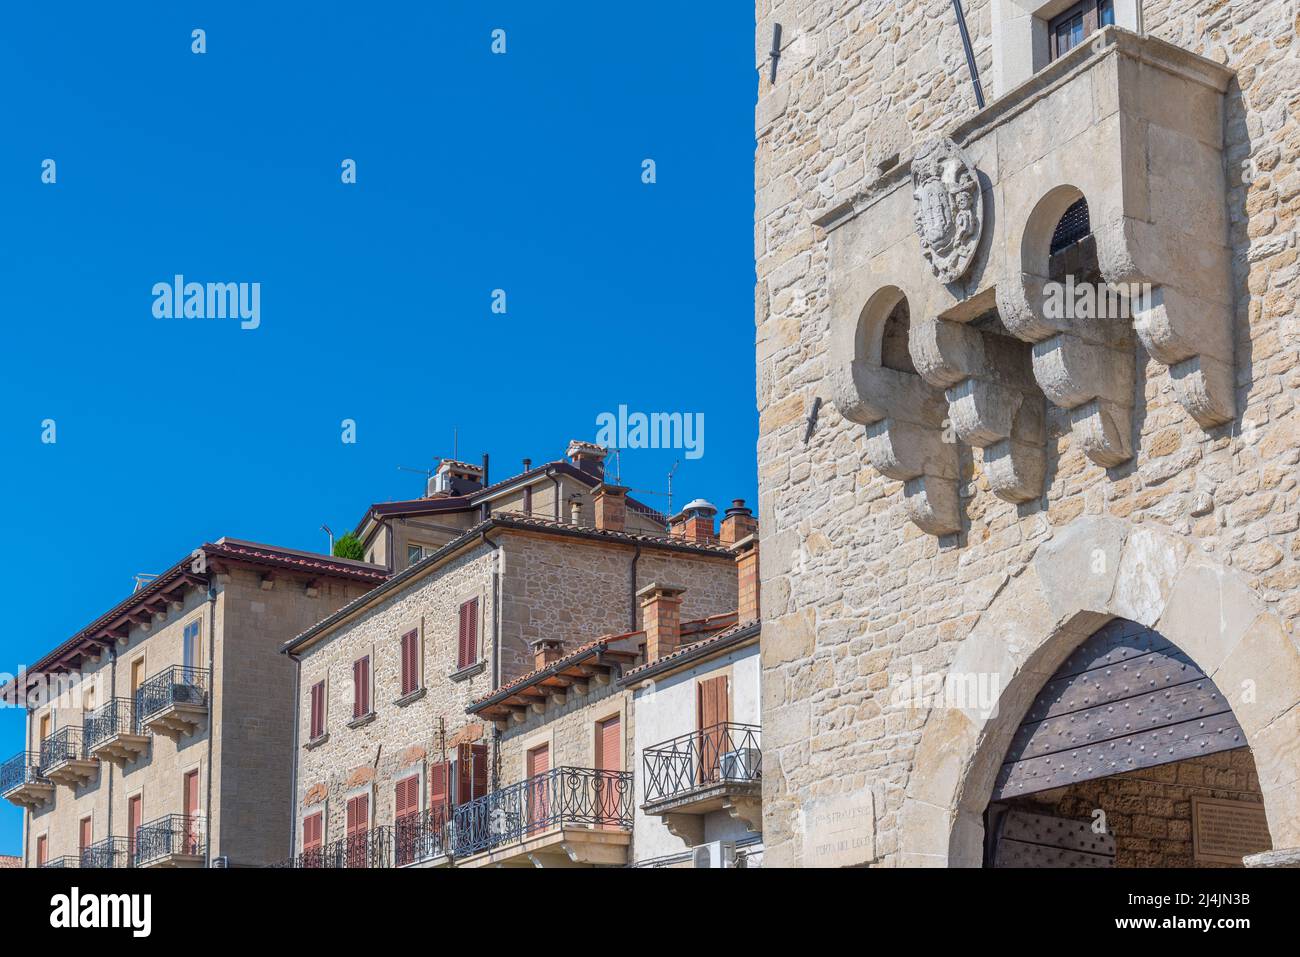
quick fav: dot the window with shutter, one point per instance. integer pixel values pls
(467, 647)
(410, 662)
(406, 817)
(361, 687)
(439, 797)
(358, 829)
(712, 711)
(317, 710)
(609, 761)
(313, 839)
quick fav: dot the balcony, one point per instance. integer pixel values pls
(422, 840)
(175, 840)
(565, 817)
(111, 852)
(64, 759)
(113, 734)
(174, 701)
(67, 860)
(22, 783)
(719, 768)
(368, 851)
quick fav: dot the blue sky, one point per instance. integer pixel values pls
(475, 172)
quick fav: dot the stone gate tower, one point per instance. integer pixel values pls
(1028, 380)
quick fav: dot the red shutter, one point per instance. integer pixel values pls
(467, 648)
(317, 710)
(410, 662)
(407, 797)
(478, 754)
(608, 750)
(313, 832)
(361, 687)
(539, 762)
(358, 828)
(464, 774)
(438, 797)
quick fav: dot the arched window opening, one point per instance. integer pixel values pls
(894, 352)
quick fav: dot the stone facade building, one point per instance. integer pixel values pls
(157, 735)
(971, 472)
(386, 755)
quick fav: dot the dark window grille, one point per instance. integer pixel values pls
(1074, 225)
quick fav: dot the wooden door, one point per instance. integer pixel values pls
(84, 839)
(42, 850)
(192, 823)
(539, 798)
(712, 711)
(134, 818)
(609, 762)
(358, 829)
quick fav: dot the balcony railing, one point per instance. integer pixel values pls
(66, 744)
(173, 835)
(22, 768)
(420, 837)
(177, 685)
(67, 860)
(725, 753)
(116, 717)
(371, 849)
(561, 797)
(114, 852)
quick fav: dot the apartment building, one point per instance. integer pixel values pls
(388, 748)
(159, 734)
(458, 496)
(1029, 394)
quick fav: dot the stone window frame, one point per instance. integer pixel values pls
(479, 663)
(197, 766)
(36, 843)
(80, 818)
(602, 716)
(357, 720)
(1021, 43)
(309, 743)
(545, 736)
(368, 789)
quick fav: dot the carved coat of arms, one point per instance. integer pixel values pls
(949, 211)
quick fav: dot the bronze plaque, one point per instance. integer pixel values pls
(1223, 832)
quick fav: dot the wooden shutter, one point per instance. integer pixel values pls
(438, 796)
(361, 687)
(313, 832)
(467, 652)
(84, 837)
(479, 756)
(42, 849)
(609, 755)
(465, 773)
(410, 662)
(134, 818)
(358, 828)
(407, 797)
(317, 710)
(712, 710)
(539, 762)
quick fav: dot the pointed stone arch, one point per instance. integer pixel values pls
(1102, 568)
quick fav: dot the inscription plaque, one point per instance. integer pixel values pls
(839, 831)
(1223, 832)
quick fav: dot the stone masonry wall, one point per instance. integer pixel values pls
(852, 592)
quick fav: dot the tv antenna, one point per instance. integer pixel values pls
(676, 462)
(143, 579)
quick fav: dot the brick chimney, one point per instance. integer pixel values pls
(588, 457)
(738, 523)
(546, 651)
(747, 605)
(661, 614)
(694, 523)
(611, 507)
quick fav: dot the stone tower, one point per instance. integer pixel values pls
(1024, 373)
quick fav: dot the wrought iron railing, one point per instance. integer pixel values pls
(171, 835)
(67, 860)
(115, 717)
(368, 849)
(111, 852)
(66, 744)
(561, 797)
(23, 768)
(725, 753)
(420, 837)
(175, 685)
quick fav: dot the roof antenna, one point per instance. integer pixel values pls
(670, 486)
(330, 532)
(142, 579)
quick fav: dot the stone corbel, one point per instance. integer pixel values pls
(1083, 366)
(993, 403)
(904, 417)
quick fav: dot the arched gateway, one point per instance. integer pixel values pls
(1120, 649)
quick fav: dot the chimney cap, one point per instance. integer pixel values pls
(657, 588)
(545, 643)
(738, 507)
(609, 488)
(700, 507)
(591, 449)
